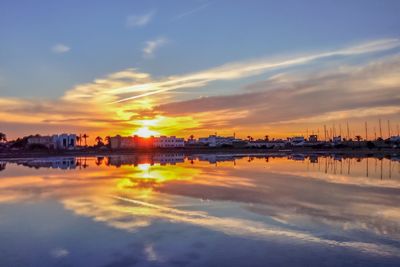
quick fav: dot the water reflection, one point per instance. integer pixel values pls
(345, 205)
(383, 168)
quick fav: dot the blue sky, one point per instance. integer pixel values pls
(48, 48)
(199, 34)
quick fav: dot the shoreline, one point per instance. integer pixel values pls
(359, 152)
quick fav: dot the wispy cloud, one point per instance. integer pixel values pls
(352, 90)
(293, 100)
(59, 253)
(191, 11)
(232, 71)
(133, 21)
(60, 48)
(152, 45)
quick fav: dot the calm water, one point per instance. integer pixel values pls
(206, 210)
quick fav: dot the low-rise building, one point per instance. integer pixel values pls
(120, 142)
(217, 141)
(62, 141)
(132, 142)
(168, 141)
(65, 141)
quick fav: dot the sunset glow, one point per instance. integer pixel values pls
(200, 133)
(145, 132)
(257, 88)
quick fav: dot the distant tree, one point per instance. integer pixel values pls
(108, 139)
(3, 137)
(85, 137)
(250, 138)
(267, 138)
(191, 137)
(99, 140)
(20, 142)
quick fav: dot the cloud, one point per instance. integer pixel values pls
(192, 11)
(134, 21)
(152, 46)
(59, 253)
(60, 49)
(233, 71)
(316, 97)
(118, 102)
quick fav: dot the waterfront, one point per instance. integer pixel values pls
(200, 210)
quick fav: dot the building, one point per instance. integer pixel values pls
(132, 142)
(46, 141)
(119, 142)
(216, 141)
(62, 141)
(168, 141)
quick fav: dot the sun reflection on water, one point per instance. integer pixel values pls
(275, 193)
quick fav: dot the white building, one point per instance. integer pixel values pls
(168, 141)
(62, 141)
(215, 141)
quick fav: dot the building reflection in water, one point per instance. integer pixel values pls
(325, 200)
(378, 167)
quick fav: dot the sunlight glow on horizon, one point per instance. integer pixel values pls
(145, 132)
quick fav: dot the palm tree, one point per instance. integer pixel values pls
(99, 140)
(3, 137)
(85, 136)
(108, 139)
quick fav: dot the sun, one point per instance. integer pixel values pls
(145, 132)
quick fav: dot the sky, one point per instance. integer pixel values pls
(276, 68)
